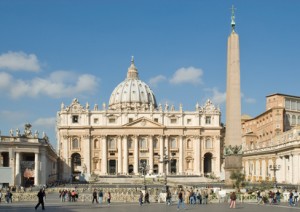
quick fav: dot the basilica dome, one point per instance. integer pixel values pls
(132, 93)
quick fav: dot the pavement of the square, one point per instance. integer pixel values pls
(134, 207)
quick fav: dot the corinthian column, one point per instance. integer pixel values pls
(151, 154)
(104, 156)
(18, 177)
(161, 153)
(181, 150)
(136, 156)
(197, 155)
(119, 154)
(125, 154)
(36, 169)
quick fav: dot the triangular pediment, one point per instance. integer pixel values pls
(143, 122)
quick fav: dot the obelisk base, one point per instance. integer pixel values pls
(233, 163)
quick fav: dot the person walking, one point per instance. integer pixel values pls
(40, 196)
(277, 194)
(141, 198)
(100, 197)
(147, 197)
(259, 197)
(180, 200)
(108, 198)
(95, 196)
(169, 197)
(291, 203)
(232, 200)
(295, 194)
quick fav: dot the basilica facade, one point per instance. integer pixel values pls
(133, 131)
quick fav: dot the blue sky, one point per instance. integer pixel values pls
(54, 51)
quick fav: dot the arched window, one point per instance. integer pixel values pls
(208, 143)
(298, 120)
(293, 120)
(96, 144)
(173, 143)
(143, 143)
(112, 144)
(75, 143)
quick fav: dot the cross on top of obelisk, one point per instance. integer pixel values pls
(232, 18)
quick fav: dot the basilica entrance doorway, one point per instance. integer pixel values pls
(207, 163)
(112, 164)
(76, 166)
(130, 169)
(155, 169)
(173, 166)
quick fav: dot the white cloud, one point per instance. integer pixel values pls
(5, 79)
(187, 75)
(58, 84)
(48, 123)
(13, 116)
(217, 96)
(250, 100)
(19, 61)
(155, 80)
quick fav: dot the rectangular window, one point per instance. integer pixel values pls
(207, 120)
(130, 154)
(294, 105)
(156, 119)
(75, 119)
(173, 121)
(287, 104)
(189, 121)
(130, 120)
(96, 121)
(111, 120)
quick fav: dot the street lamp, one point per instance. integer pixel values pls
(274, 168)
(144, 169)
(165, 160)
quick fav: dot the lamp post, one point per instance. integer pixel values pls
(274, 168)
(144, 168)
(165, 160)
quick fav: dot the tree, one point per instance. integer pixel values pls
(238, 178)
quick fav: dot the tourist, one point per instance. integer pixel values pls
(180, 200)
(8, 196)
(199, 197)
(191, 197)
(108, 198)
(100, 197)
(232, 200)
(141, 198)
(205, 197)
(147, 197)
(259, 197)
(295, 194)
(73, 195)
(277, 194)
(95, 196)
(291, 203)
(169, 197)
(40, 196)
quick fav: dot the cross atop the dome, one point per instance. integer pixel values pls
(132, 59)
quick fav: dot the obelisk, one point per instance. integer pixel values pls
(233, 136)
